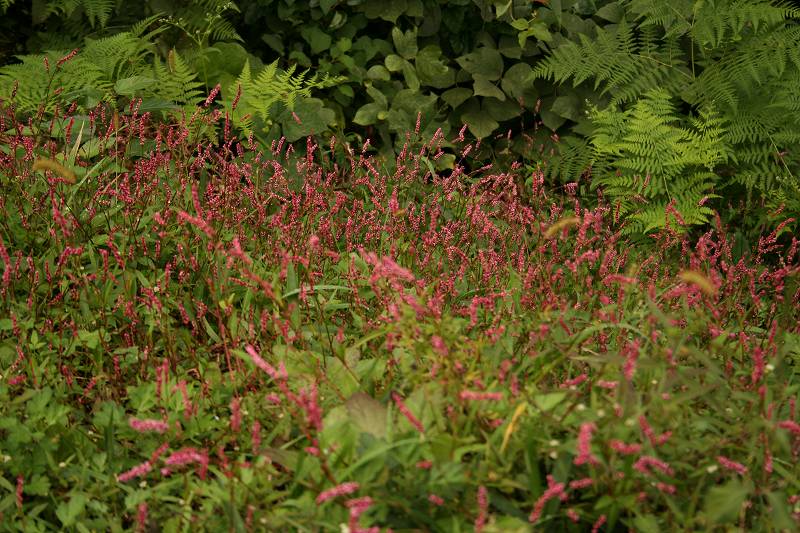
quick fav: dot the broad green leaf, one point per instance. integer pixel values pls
(377, 96)
(223, 64)
(646, 524)
(567, 106)
(723, 502)
(405, 43)
(378, 72)
(388, 10)
(394, 62)
(410, 75)
(368, 414)
(501, 7)
(484, 87)
(432, 70)
(612, 12)
(314, 118)
(318, 40)
(134, 84)
(480, 124)
(456, 96)
(548, 401)
(517, 80)
(552, 120)
(781, 511)
(502, 110)
(484, 62)
(326, 5)
(68, 512)
(536, 29)
(368, 114)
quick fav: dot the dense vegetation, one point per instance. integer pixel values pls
(409, 265)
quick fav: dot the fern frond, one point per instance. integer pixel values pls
(572, 159)
(98, 11)
(646, 157)
(177, 83)
(619, 62)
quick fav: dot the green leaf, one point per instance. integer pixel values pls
(316, 38)
(224, 63)
(377, 96)
(548, 401)
(69, 512)
(567, 106)
(519, 24)
(552, 120)
(388, 10)
(39, 485)
(484, 62)
(405, 105)
(405, 43)
(410, 75)
(723, 503)
(781, 511)
(457, 96)
(480, 124)
(368, 414)
(432, 70)
(378, 72)
(500, 8)
(534, 29)
(368, 114)
(394, 62)
(502, 110)
(612, 12)
(314, 118)
(326, 5)
(646, 524)
(484, 87)
(132, 85)
(517, 80)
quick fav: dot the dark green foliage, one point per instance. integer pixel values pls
(132, 64)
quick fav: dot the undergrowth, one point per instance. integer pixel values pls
(202, 336)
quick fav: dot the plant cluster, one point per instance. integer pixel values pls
(217, 335)
(690, 103)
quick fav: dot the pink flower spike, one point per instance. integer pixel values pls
(146, 425)
(625, 449)
(646, 462)
(790, 426)
(136, 471)
(263, 365)
(585, 445)
(475, 395)
(581, 483)
(483, 509)
(435, 500)
(401, 406)
(599, 523)
(554, 490)
(732, 465)
(335, 492)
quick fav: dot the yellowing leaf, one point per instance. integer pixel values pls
(699, 280)
(43, 163)
(513, 425)
(566, 222)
